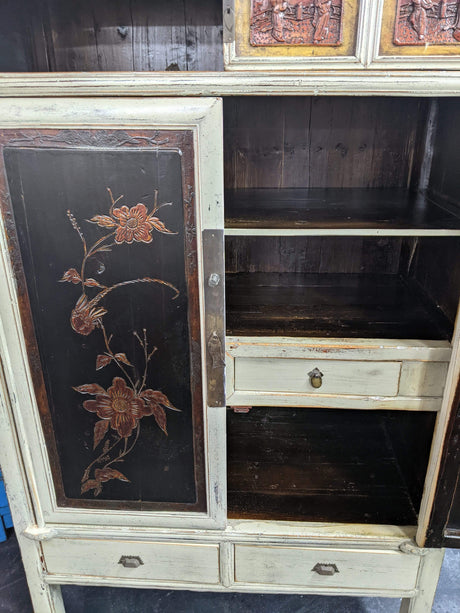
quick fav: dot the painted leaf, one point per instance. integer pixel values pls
(93, 283)
(90, 388)
(104, 221)
(106, 474)
(102, 360)
(160, 417)
(121, 357)
(157, 397)
(91, 484)
(71, 276)
(100, 430)
(159, 225)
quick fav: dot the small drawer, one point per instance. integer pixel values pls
(153, 561)
(336, 373)
(330, 376)
(328, 568)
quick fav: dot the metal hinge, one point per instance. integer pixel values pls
(229, 21)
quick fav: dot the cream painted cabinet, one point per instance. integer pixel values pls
(228, 299)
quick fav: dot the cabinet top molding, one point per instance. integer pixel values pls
(316, 83)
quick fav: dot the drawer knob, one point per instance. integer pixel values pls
(316, 377)
(214, 279)
(325, 569)
(130, 561)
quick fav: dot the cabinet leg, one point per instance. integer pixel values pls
(45, 598)
(427, 582)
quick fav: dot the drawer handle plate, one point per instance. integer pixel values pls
(325, 569)
(130, 561)
(316, 377)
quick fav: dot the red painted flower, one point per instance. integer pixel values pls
(135, 224)
(119, 404)
(84, 318)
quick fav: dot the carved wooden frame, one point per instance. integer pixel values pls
(386, 54)
(240, 54)
(202, 119)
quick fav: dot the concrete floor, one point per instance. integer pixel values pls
(14, 597)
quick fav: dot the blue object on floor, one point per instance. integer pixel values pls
(5, 513)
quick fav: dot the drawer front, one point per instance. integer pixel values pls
(354, 569)
(171, 562)
(338, 376)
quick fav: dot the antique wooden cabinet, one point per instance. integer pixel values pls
(228, 341)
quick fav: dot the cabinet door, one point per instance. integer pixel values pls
(444, 525)
(111, 221)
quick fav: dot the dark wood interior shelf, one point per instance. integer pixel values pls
(331, 305)
(315, 465)
(344, 208)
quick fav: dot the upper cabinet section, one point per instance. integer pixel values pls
(206, 36)
(318, 34)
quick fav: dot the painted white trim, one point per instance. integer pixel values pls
(338, 232)
(332, 82)
(338, 348)
(45, 598)
(332, 401)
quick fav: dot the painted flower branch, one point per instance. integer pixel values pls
(121, 407)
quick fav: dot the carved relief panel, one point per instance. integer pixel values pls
(297, 34)
(419, 34)
(296, 22)
(421, 22)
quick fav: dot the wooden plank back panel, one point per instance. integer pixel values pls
(313, 254)
(321, 142)
(112, 35)
(314, 465)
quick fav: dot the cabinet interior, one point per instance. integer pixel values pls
(342, 220)
(369, 182)
(129, 35)
(340, 287)
(331, 465)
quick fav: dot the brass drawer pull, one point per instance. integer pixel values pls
(316, 377)
(130, 561)
(325, 569)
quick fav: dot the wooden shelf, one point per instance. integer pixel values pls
(331, 305)
(337, 211)
(339, 466)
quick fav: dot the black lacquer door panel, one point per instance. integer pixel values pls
(103, 240)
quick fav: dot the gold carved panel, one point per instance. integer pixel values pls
(420, 28)
(277, 29)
